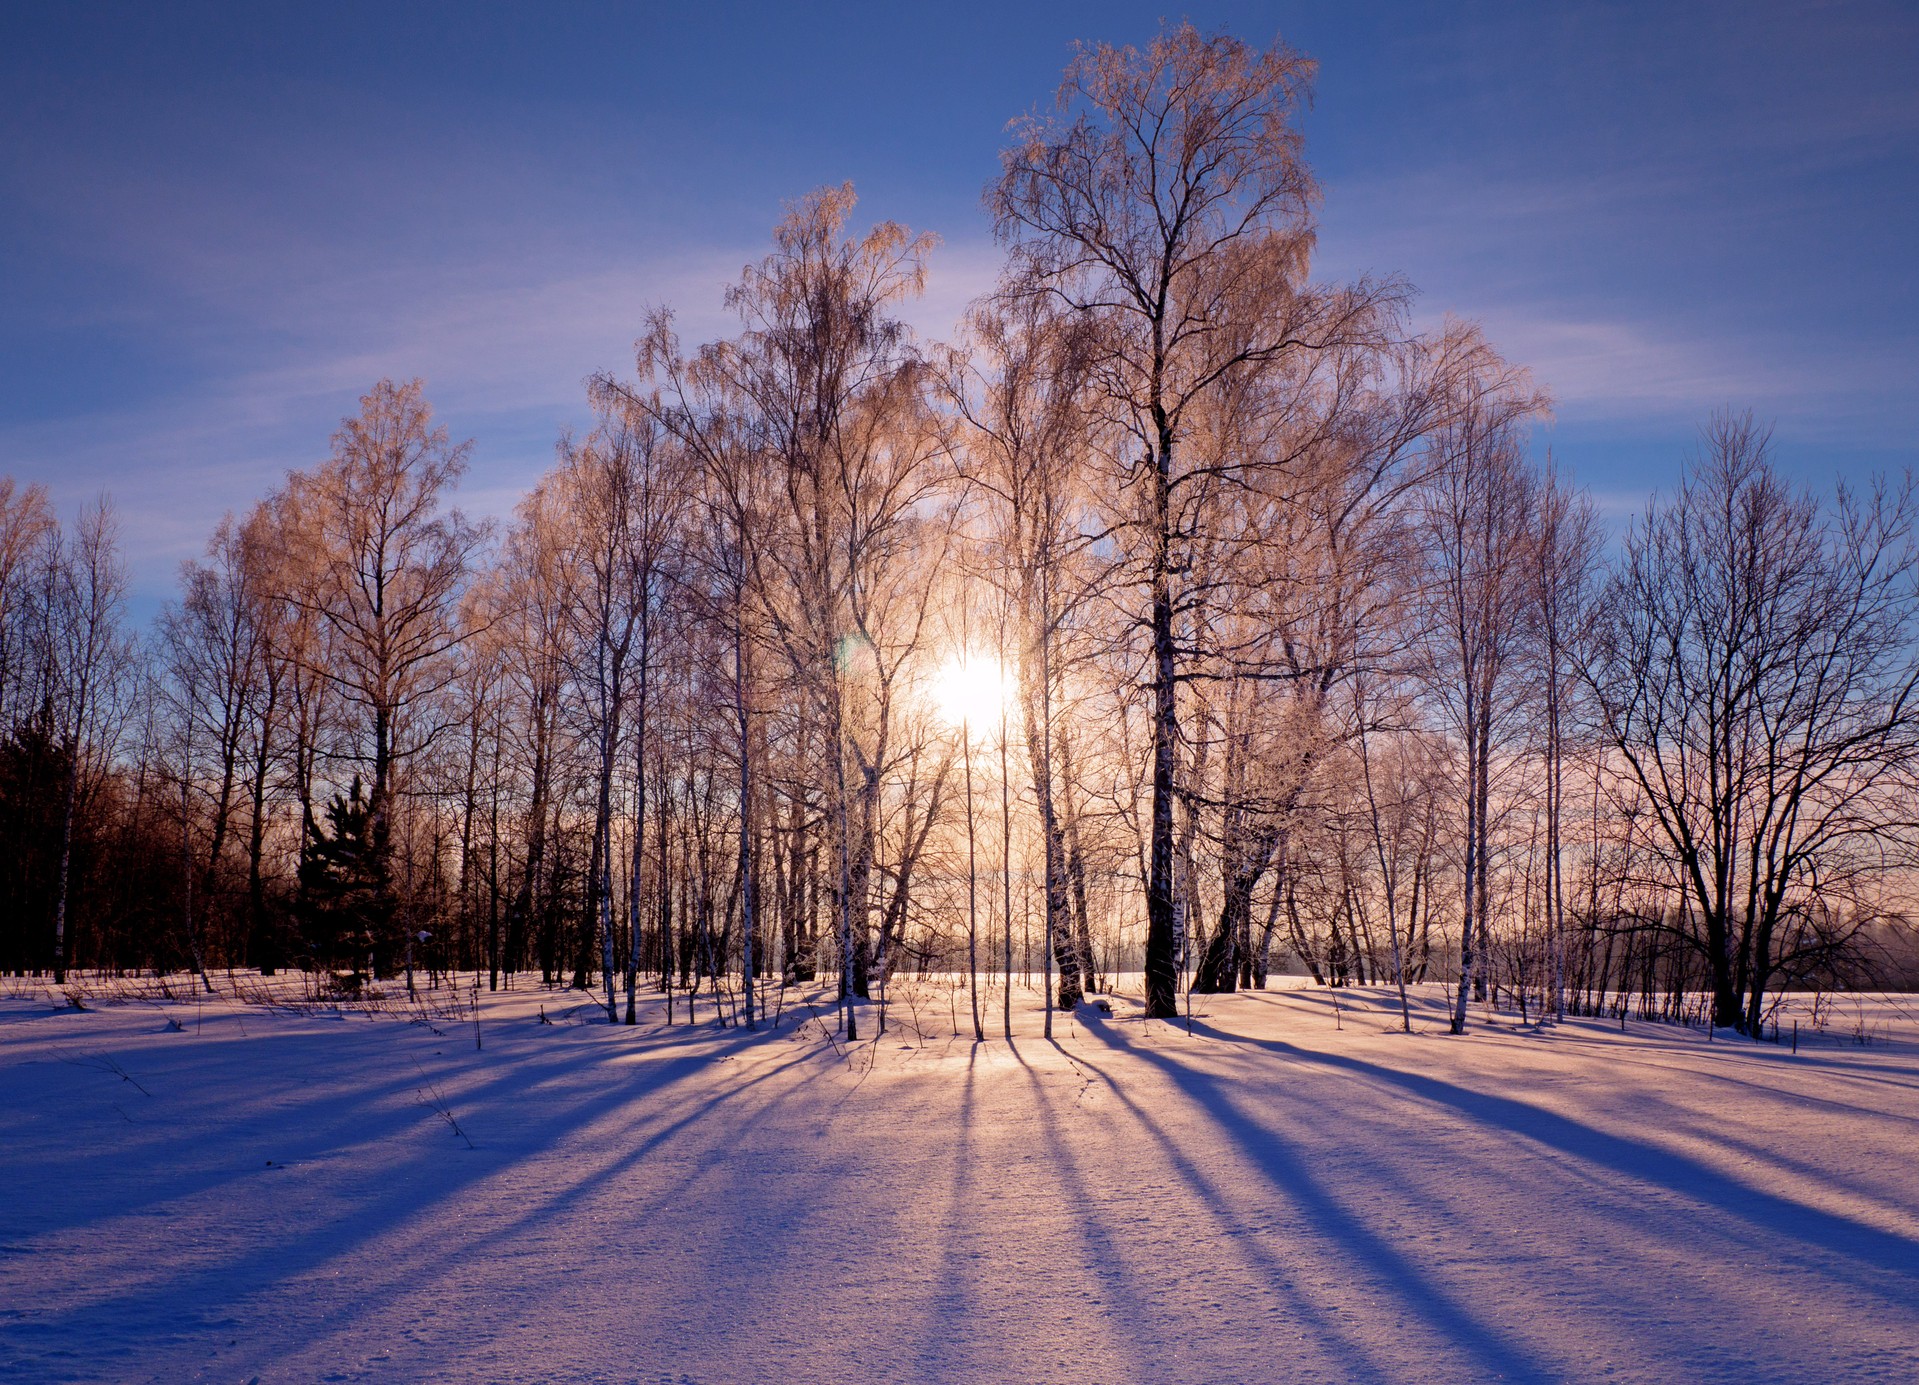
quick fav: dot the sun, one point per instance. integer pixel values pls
(972, 690)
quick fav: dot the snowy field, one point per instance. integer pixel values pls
(224, 1192)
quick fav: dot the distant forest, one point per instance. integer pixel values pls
(1188, 616)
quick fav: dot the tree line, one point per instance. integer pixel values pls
(1188, 615)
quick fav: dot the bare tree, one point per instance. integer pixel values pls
(27, 527)
(1398, 781)
(86, 587)
(528, 603)
(1565, 555)
(1021, 396)
(1478, 522)
(611, 511)
(216, 659)
(1297, 581)
(1168, 203)
(305, 701)
(388, 566)
(1757, 675)
(833, 394)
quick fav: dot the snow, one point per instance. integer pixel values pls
(1282, 1193)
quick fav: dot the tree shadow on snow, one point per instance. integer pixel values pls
(412, 1192)
(1873, 1253)
(1482, 1348)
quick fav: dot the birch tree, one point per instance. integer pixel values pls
(1020, 392)
(1565, 560)
(1478, 519)
(389, 563)
(1167, 202)
(833, 393)
(86, 651)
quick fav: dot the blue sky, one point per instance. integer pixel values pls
(220, 225)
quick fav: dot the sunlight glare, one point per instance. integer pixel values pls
(972, 689)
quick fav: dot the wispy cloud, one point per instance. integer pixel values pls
(1661, 212)
(505, 348)
(1621, 292)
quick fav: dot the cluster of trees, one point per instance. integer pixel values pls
(1189, 616)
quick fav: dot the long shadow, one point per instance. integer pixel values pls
(1872, 1248)
(1100, 1245)
(598, 1179)
(1491, 1356)
(947, 1319)
(342, 1324)
(1716, 1073)
(326, 1122)
(1577, 1034)
(1767, 1057)
(590, 1181)
(400, 1200)
(1703, 1064)
(783, 1222)
(1850, 1069)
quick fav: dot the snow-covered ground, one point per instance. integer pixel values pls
(217, 1191)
